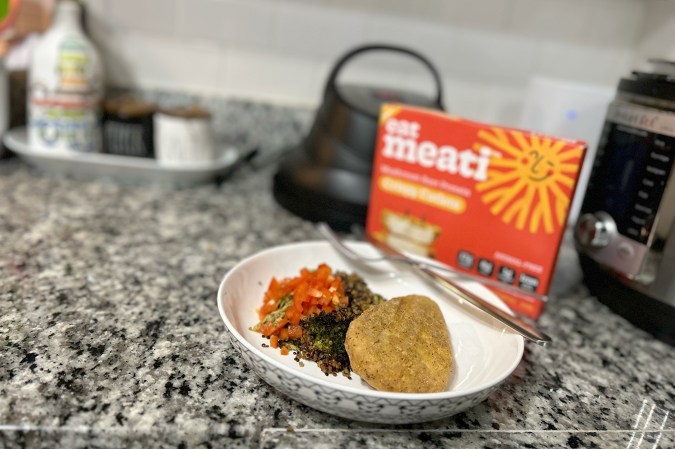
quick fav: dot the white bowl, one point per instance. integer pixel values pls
(485, 351)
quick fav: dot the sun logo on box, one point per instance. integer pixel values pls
(531, 178)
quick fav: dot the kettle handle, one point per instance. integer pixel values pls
(374, 47)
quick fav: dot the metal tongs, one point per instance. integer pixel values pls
(426, 270)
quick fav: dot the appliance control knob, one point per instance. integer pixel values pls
(595, 230)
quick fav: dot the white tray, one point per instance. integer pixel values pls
(126, 169)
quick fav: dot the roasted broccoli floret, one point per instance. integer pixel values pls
(323, 339)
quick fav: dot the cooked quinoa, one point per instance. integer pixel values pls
(324, 334)
(360, 296)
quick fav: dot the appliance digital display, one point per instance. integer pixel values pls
(629, 177)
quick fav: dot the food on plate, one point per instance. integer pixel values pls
(309, 314)
(335, 320)
(401, 345)
(323, 340)
(288, 300)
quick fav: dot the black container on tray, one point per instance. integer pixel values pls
(128, 127)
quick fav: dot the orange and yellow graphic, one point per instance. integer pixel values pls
(531, 179)
(488, 200)
(388, 111)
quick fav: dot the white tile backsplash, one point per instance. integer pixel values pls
(552, 19)
(504, 105)
(492, 58)
(269, 75)
(228, 21)
(615, 23)
(465, 98)
(282, 50)
(149, 61)
(156, 16)
(477, 14)
(432, 40)
(304, 29)
(582, 63)
(98, 7)
(656, 37)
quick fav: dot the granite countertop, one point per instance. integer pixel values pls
(110, 335)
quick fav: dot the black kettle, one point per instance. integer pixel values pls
(326, 177)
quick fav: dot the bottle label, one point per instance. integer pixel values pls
(65, 125)
(64, 101)
(71, 68)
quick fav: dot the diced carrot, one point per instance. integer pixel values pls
(295, 318)
(269, 306)
(323, 271)
(284, 334)
(284, 350)
(300, 296)
(314, 291)
(268, 329)
(294, 331)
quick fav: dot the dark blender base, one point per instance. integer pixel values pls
(328, 194)
(326, 177)
(645, 312)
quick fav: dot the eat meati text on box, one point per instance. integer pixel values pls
(488, 200)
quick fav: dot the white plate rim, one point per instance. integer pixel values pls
(346, 388)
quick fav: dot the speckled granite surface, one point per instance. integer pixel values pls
(110, 335)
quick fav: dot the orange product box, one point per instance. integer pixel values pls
(487, 200)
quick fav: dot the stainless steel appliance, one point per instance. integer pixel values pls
(625, 234)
